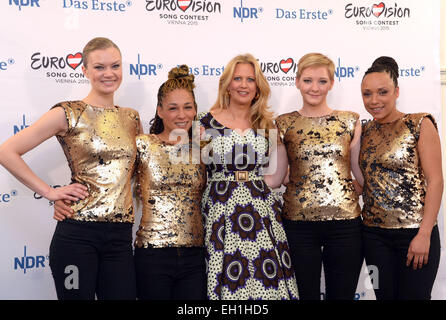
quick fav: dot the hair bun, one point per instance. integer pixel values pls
(181, 72)
(389, 63)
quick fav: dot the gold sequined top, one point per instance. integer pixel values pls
(101, 151)
(171, 194)
(394, 184)
(321, 186)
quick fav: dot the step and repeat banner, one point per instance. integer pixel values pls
(40, 65)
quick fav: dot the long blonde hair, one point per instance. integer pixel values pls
(261, 116)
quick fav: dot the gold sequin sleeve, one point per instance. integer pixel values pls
(318, 149)
(171, 195)
(394, 183)
(72, 111)
(101, 151)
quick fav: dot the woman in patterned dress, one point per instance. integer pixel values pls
(403, 182)
(247, 250)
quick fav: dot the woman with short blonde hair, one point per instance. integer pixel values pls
(321, 209)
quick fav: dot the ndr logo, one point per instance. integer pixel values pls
(29, 262)
(24, 3)
(246, 13)
(4, 64)
(141, 69)
(20, 127)
(344, 72)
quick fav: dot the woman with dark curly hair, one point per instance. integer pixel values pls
(169, 251)
(403, 183)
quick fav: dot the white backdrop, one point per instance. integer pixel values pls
(40, 66)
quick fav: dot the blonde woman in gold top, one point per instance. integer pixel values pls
(321, 211)
(169, 251)
(94, 245)
(403, 183)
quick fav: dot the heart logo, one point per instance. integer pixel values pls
(378, 9)
(74, 60)
(285, 65)
(184, 4)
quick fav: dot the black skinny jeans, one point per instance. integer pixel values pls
(93, 258)
(334, 244)
(386, 249)
(175, 273)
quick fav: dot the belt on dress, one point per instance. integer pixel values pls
(239, 176)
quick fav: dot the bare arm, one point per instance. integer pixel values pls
(51, 123)
(278, 167)
(429, 150)
(355, 147)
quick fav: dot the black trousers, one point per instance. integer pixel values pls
(89, 259)
(386, 250)
(170, 273)
(334, 244)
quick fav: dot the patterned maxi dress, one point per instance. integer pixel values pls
(247, 250)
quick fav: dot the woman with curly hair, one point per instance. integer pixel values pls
(403, 183)
(169, 252)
